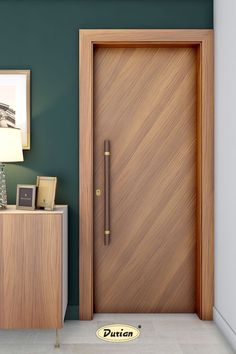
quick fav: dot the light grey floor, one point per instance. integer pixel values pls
(160, 334)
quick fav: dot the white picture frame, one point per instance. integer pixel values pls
(46, 192)
(15, 101)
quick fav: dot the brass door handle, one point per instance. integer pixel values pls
(107, 154)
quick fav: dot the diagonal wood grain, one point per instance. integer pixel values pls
(145, 103)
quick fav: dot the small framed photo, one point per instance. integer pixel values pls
(46, 191)
(15, 101)
(25, 196)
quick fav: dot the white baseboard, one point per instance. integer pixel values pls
(225, 328)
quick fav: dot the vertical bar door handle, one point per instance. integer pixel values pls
(107, 155)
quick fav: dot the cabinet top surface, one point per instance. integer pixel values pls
(11, 209)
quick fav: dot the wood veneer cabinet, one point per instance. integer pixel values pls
(33, 268)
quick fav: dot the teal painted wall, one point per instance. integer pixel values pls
(41, 35)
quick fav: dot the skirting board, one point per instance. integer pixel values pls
(225, 328)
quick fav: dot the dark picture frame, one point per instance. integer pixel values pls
(25, 196)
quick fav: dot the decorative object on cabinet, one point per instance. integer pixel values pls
(10, 151)
(34, 256)
(46, 191)
(25, 196)
(15, 101)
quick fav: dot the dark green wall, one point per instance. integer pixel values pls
(41, 35)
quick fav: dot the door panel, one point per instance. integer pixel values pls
(30, 270)
(145, 104)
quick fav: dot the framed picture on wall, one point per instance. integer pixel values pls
(15, 101)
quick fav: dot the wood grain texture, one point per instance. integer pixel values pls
(135, 38)
(145, 104)
(141, 36)
(199, 179)
(86, 179)
(206, 168)
(30, 269)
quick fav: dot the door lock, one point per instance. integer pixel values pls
(98, 192)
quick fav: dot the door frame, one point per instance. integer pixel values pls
(203, 40)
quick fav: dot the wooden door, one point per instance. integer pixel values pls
(150, 93)
(145, 103)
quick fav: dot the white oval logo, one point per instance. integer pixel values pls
(118, 333)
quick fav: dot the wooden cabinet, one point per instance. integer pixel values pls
(33, 268)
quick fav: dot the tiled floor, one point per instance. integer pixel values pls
(160, 334)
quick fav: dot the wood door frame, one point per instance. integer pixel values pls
(203, 40)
